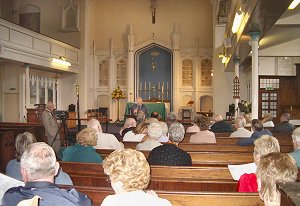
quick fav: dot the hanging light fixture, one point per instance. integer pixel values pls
(61, 61)
(239, 15)
(294, 4)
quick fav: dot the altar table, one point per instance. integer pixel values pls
(152, 107)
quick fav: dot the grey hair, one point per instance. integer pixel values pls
(154, 131)
(296, 135)
(241, 121)
(176, 132)
(172, 117)
(140, 117)
(95, 124)
(23, 140)
(39, 161)
(164, 127)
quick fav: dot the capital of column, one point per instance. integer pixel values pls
(236, 60)
(26, 65)
(254, 35)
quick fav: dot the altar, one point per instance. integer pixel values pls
(159, 107)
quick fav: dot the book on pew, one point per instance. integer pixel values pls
(237, 171)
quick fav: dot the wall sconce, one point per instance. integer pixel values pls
(294, 4)
(224, 57)
(239, 15)
(61, 61)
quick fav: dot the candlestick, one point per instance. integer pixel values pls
(145, 85)
(167, 86)
(158, 86)
(149, 85)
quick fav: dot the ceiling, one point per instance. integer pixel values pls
(276, 23)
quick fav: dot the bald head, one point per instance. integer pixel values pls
(240, 122)
(218, 118)
(285, 117)
(50, 106)
(139, 101)
(95, 124)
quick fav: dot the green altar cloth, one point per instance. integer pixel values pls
(152, 107)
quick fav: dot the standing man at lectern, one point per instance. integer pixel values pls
(51, 127)
(138, 107)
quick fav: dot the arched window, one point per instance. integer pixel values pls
(103, 73)
(122, 72)
(206, 103)
(29, 17)
(206, 72)
(187, 72)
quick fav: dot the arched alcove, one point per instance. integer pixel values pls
(206, 103)
(29, 17)
(153, 70)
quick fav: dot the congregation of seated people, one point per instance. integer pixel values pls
(129, 178)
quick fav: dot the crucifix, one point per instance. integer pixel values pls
(153, 8)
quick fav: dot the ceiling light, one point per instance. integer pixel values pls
(239, 15)
(61, 61)
(294, 4)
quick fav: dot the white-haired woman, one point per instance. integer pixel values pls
(169, 154)
(154, 133)
(129, 174)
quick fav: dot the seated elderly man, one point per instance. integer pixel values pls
(239, 125)
(262, 146)
(38, 168)
(105, 140)
(154, 133)
(221, 125)
(13, 166)
(258, 131)
(139, 106)
(284, 126)
(129, 175)
(83, 150)
(296, 143)
(171, 118)
(273, 168)
(169, 154)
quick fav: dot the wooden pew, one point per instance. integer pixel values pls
(189, 147)
(207, 158)
(36, 129)
(7, 148)
(98, 194)
(162, 177)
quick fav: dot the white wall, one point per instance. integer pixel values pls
(113, 17)
(68, 91)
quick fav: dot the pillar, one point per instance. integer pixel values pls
(130, 65)
(254, 44)
(177, 65)
(236, 61)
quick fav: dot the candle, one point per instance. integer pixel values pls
(158, 85)
(149, 85)
(141, 87)
(167, 86)
(162, 89)
(145, 85)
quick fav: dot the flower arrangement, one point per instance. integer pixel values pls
(118, 94)
(245, 106)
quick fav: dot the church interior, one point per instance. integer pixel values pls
(95, 58)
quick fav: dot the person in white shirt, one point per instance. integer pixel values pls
(105, 140)
(154, 133)
(267, 120)
(239, 124)
(129, 174)
(137, 134)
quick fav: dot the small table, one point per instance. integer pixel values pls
(152, 107)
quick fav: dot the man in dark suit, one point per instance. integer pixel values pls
(284, 126)
(139, 106)
(221, 125)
